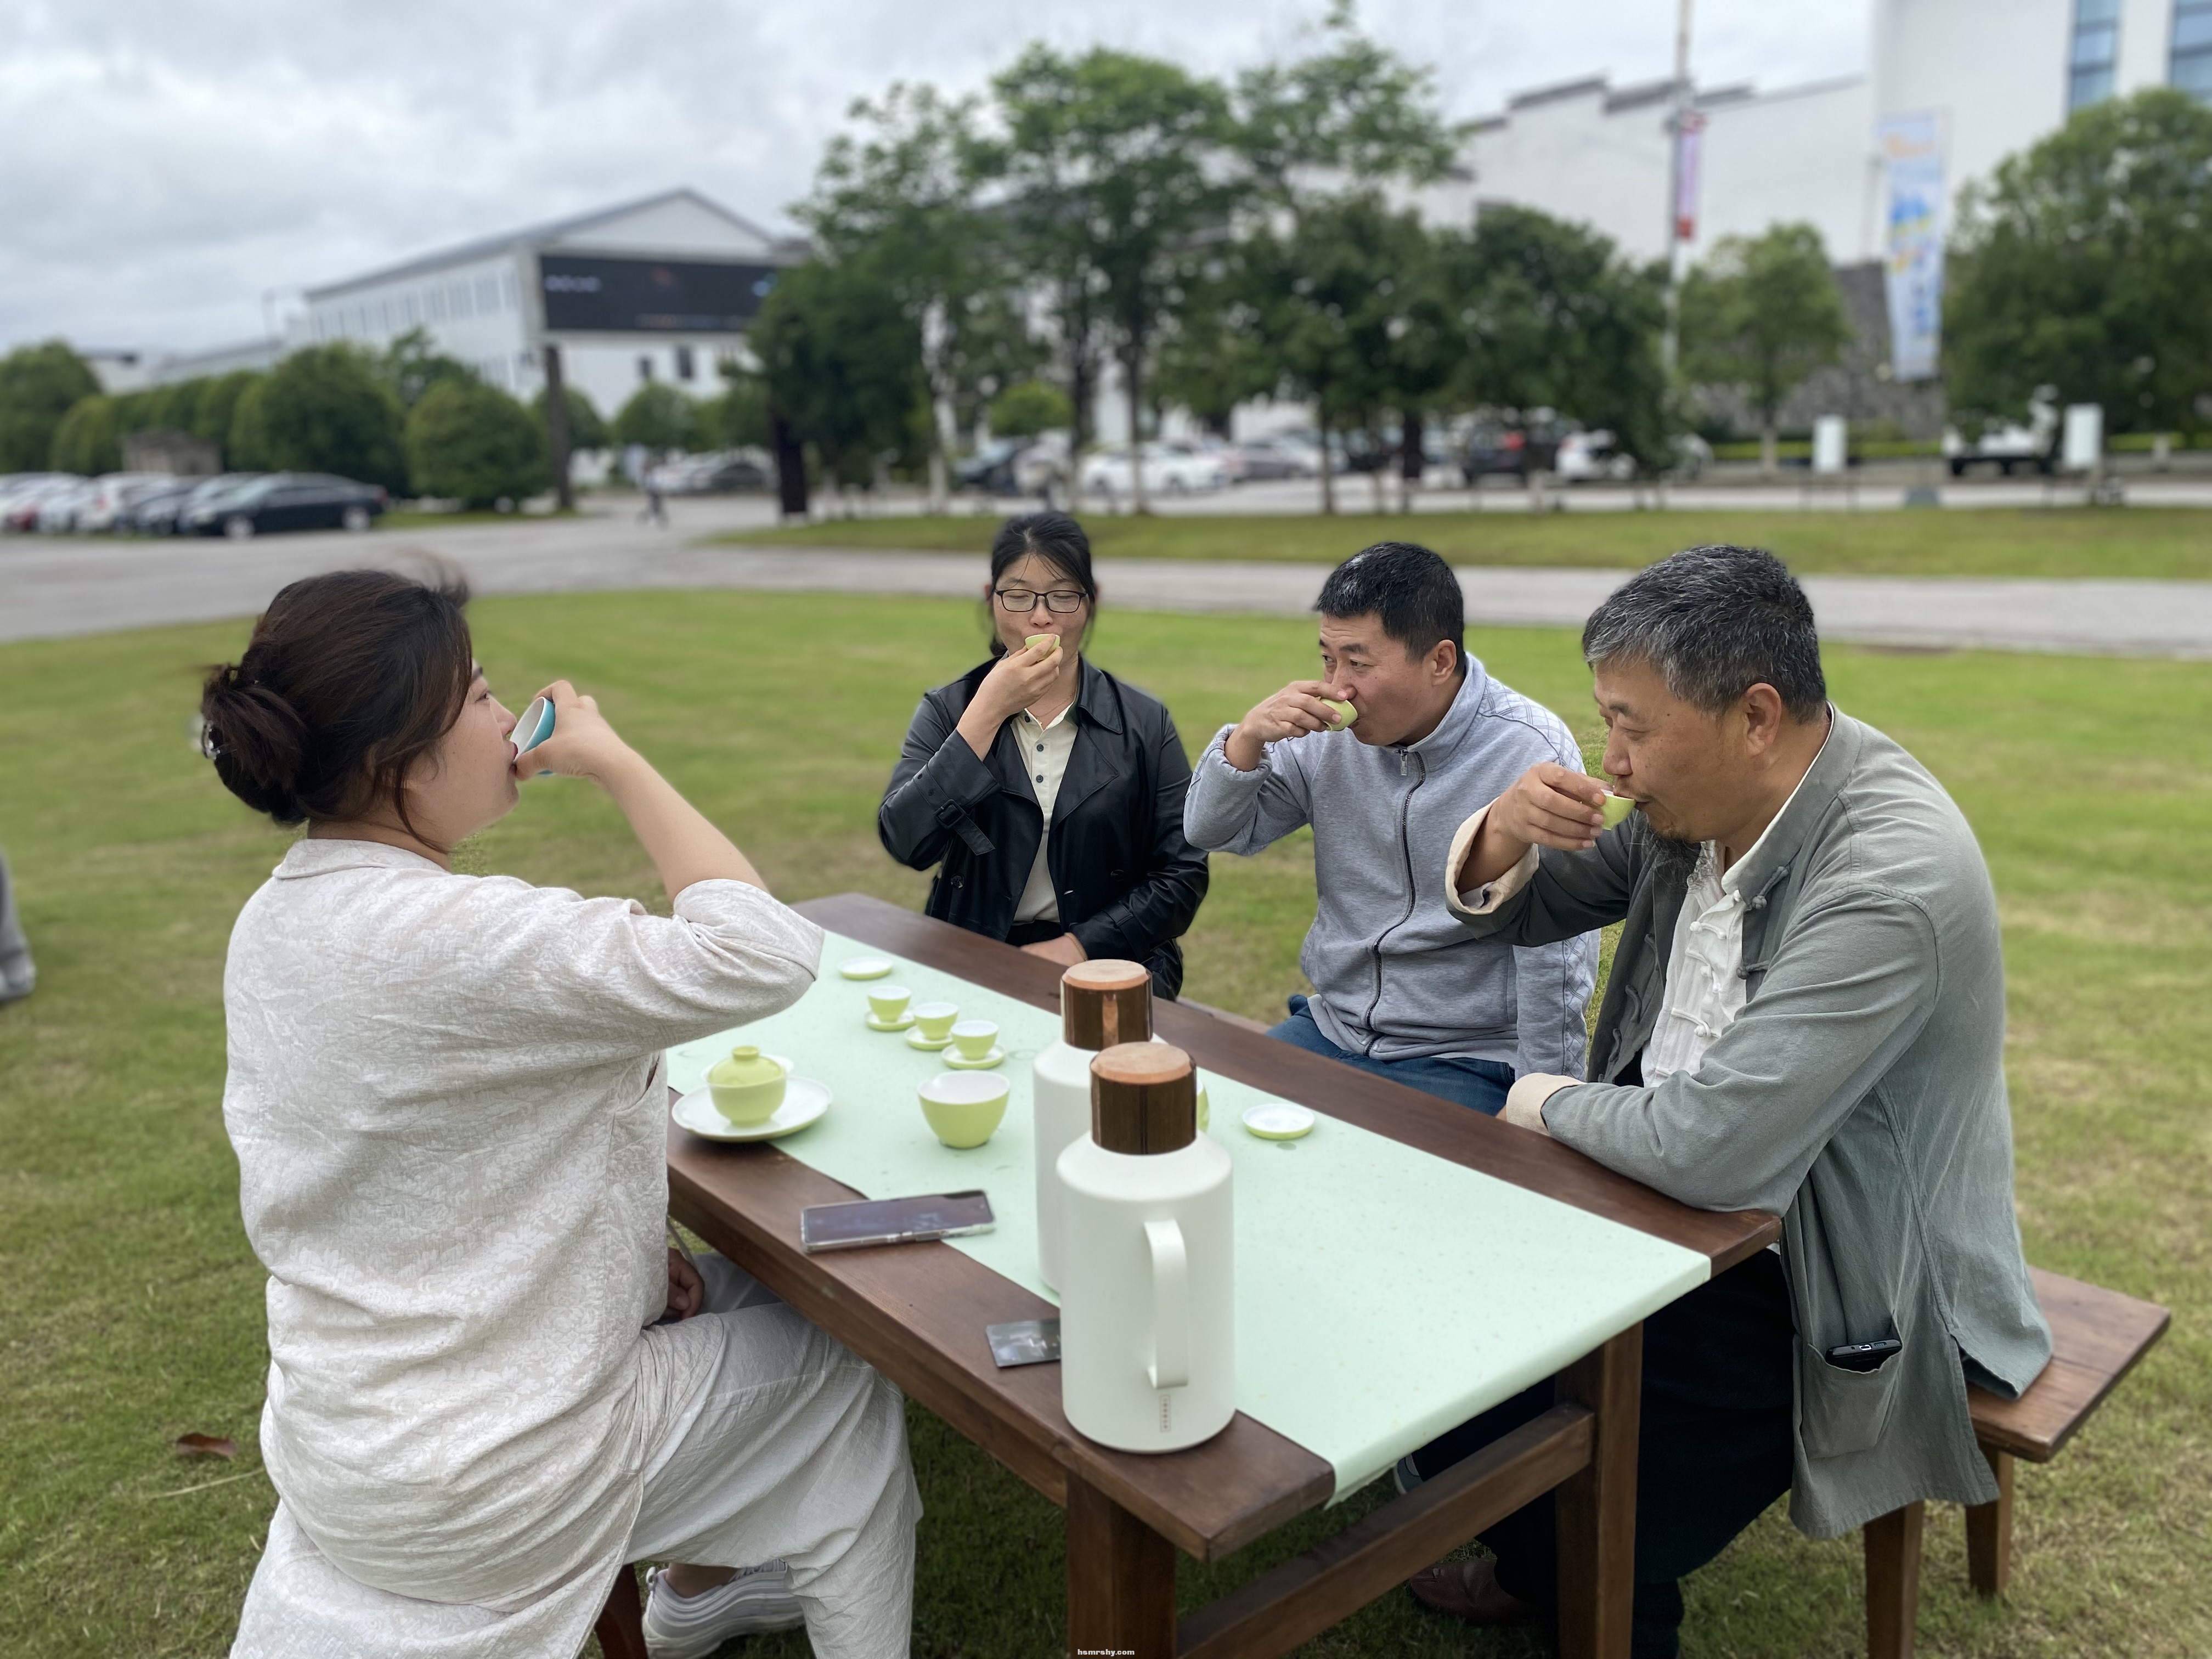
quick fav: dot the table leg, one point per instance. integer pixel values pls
(1893, 1576)
(1597, 1507)
(1120, 1580)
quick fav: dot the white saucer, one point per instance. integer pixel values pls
(865, 967)
(898, 1025)
(960, 1062)
(1277, 1120)
(915, 1040)
(804, 1101)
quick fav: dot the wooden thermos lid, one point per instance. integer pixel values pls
(1105, 1002)
(1144, 1098)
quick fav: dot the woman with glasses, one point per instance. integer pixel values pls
(1049, 792)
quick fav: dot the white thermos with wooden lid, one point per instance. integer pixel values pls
(1101, 1003)
(1147, 1298)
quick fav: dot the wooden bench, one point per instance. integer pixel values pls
(2096, 1337)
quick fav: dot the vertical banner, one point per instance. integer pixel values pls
(1689, 148)
(1912, 159)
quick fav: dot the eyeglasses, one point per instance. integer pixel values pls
(1062, 603)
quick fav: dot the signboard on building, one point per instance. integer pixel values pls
(590, 293)
(1912, 147)
(1689, 152)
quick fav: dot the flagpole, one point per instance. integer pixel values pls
(1677, 118)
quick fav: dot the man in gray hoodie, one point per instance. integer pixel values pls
(1402, 987)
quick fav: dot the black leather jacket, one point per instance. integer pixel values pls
(1128, 882)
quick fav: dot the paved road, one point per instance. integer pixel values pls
(58, 587)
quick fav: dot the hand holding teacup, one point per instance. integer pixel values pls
(583, 744)
(1550, 806)
(1301, 707)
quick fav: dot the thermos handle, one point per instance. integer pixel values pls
(1170, 1367)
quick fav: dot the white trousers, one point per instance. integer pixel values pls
(791, 1450)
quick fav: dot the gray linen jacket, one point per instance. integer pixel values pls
(1861, 1093)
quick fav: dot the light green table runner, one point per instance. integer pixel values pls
(1382, 1294)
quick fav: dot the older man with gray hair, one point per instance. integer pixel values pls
(1806, 1014)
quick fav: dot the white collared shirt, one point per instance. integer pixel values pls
(1045, 749)
(1705, 969)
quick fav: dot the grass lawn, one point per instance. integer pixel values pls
(132, 1311)
(2174, 543)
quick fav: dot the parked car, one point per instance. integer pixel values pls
(288, 501)
(712, 474)
(1692, 455)
(1217, 448)
(1494, 448)
(995, 469)
(2007, 445)
(112, 499)
(1280, 456)
(58, 509)
(1169, 468)
(163, 512)
(1592, 457)
(23, 493)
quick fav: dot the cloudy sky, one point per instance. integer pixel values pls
(168, 171)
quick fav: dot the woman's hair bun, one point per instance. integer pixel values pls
(257, 742)
(351, 678)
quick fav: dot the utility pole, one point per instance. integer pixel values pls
(1678, 121)
(556, 428)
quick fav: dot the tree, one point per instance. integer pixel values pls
(588, 427)
(218, 407)
(1551, 316)
(1105, 158)
(1762, 312)
(1316, 303)
(843, 369)
(411, 364)
(86, 440)
(473, 443)
(738, 418)
(1029, 407)
(659, 417)
(325, 409)
(38, 384)
(1347, 117)
(245, 445)
(2086, 264)
(897, 205)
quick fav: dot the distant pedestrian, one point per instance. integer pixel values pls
(653, 508)
(17, 975)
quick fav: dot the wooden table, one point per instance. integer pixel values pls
(917, 1313)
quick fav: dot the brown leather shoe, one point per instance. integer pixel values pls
(1469, 1590)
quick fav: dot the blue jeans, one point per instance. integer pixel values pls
(1480, 1084)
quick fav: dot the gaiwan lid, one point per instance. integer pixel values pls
(1103, 1002)
(1144, 1099)
(746, 1064)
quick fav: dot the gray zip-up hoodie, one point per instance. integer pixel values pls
(1395, 975)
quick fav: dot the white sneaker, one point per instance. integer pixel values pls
(693, 1626)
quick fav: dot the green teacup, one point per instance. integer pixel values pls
(975, 1038)
(747, 1087)
(1616, 809)
(935, 1019)
(1345, 714)
(1049, 642)
(887, 1002)
(965, 1109)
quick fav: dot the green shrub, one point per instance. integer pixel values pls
(1029, 407)
(85, 441)
(473, 443)
(217, 408)
(588, 427)
(325, 409)
(38, 384)
(659, 417)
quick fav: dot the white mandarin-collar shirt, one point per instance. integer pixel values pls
(1045, 748)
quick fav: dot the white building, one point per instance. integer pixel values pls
(2002, 74)
(658, 289)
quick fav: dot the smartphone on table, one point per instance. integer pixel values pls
(894, 1220)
